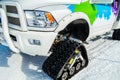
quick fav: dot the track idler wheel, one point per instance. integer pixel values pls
(72, 71)
(78, 66)
(64, 76)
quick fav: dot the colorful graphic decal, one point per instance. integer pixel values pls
(85, 7)
(104, 11)
(116, 5)
(93, 11)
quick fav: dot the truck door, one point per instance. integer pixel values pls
(105, 16)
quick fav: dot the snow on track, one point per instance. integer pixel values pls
(104, 55)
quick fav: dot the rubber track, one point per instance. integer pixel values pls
(62, 52)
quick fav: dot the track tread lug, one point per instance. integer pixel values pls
(62, 52)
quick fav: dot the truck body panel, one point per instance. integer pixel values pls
(100, 18)
(25, 41)
(42, 3)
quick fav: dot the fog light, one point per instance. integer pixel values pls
(34, 42)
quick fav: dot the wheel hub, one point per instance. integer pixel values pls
(64, 76)
(78, 66)
(72, 70)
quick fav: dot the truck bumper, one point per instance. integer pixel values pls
(32, 42)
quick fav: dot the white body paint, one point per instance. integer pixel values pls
(61, 13)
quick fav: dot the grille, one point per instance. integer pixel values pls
(13, 20)
(11, 9)
(13, 37)
(14, 17)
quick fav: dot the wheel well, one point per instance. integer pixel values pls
(78, 29)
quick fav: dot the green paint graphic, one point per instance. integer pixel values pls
(88, 9)
(93, 10)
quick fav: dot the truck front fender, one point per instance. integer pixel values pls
(70, 18)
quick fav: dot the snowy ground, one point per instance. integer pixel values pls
(104, 55)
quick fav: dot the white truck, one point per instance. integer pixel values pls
(57, 29)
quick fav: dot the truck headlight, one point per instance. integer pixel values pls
(40, 19)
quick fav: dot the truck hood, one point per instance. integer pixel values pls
(33, 4)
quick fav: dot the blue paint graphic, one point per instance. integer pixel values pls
(104, 11)
(71, 7)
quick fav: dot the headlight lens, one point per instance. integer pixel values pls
(40, 19)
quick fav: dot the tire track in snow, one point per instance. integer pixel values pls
(99, 69)
(100, 49)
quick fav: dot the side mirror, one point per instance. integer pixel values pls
(101, 1)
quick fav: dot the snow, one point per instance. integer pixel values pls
(104, 55)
